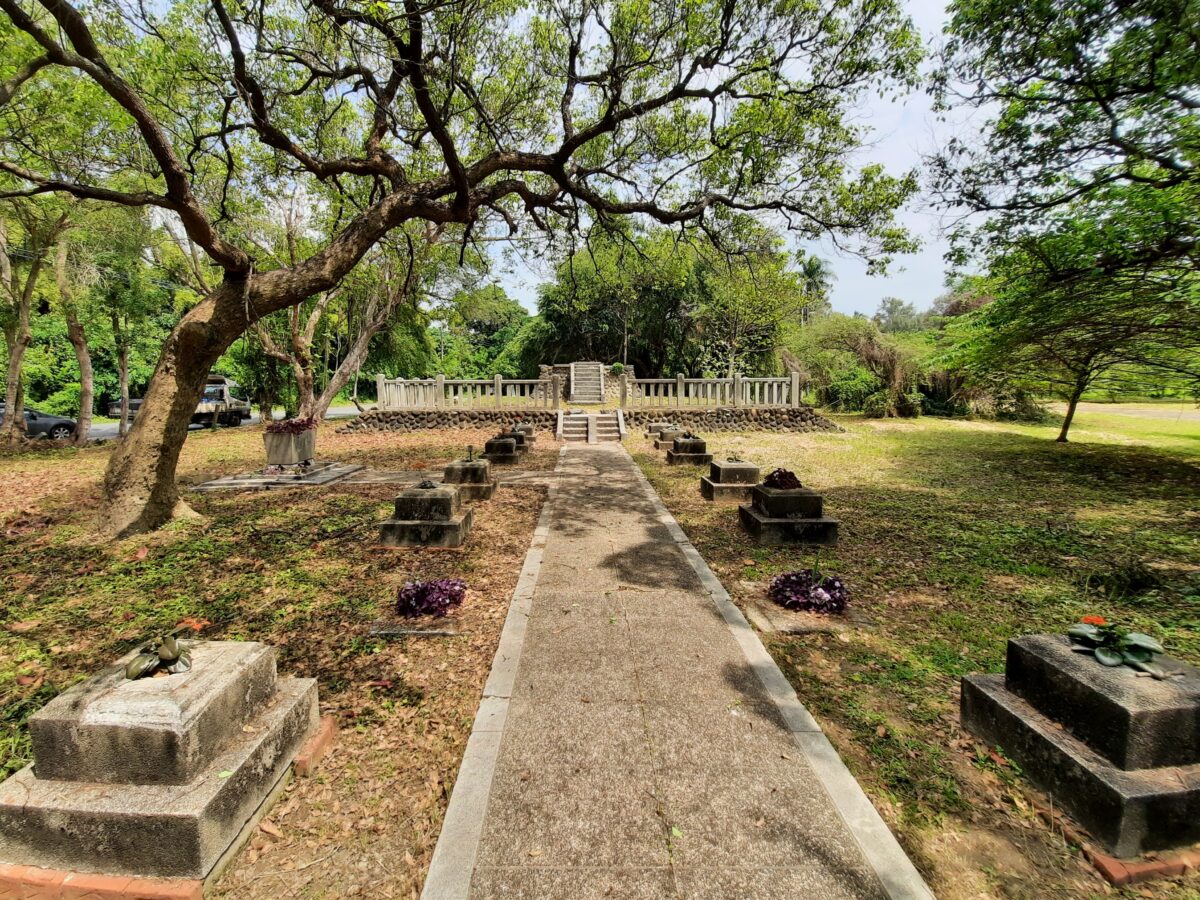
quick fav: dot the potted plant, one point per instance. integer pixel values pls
(290, 442)
(1114, 646)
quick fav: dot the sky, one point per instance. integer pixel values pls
(904, 131)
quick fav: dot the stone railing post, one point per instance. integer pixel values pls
(379, 389)
(679, 390)
(555, 389)
(623, 379)
(439, 391)
(498, 381)
(737, 389)
(795, 389)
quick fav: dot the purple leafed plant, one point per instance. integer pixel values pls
(430, 598)
(810, 591)
(291, 426)
(782, 478)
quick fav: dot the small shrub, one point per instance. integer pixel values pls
(291, 426)
(617, 368)
(430, 598)
(783, 479)
(809, 590)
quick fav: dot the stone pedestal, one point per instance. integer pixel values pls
(519, 438)
(1119, 752)
(654, 429)
(472, 477)
(728, 481)
(787, 516)
(688, 452)
(501, 450)
(666, 438)
(526, 430)
(156, 777)
(428, 515)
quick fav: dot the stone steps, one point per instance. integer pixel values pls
(587, 385)
(601, 426)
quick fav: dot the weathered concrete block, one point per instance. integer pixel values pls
(164, 730)
(787, 503)
(729, 471)
(1135, 722)
(436, 503)
(450, 532)
(500, 450)
(775, 531)
(654, 429)
(1129, 812)
(679, 458)
(723, 493)
(473, 478)
(164, 831)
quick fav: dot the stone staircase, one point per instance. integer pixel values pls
(591, 428)
(587, 382)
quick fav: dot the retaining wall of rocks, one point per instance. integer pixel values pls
(741, 418)
(426, 419)
(764, 418)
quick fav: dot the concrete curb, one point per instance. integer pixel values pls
(899, 877)
(453, 863)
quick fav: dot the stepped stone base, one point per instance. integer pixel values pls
(677, 458)
(774, 531)
(723, 493)
(451, 532)
(476, 491)
(163, 831)
(1129, 812)
(152, 730)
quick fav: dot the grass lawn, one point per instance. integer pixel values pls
(301, 570)
(955, 536)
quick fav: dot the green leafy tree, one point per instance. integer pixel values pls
(438, 112)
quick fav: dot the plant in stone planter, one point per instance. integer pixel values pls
(1114, 646)
(810, 591)
(782, 479)
(430, 598)
(290, 442)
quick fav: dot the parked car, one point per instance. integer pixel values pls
(57, 428)
(114, 408)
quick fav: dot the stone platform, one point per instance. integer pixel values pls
(1119, 752)
(787, 516)
(729, 481)
(501, 450)
(688, 451)
(472, 477)
(428, 516)
(319, 473)
(156, 829)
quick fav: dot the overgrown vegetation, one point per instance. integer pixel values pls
(956, 536)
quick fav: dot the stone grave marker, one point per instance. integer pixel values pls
(666, 437)
(688, 450)
(729, 480)
(787, 516)
(502, 449)
(1118, 751)
(526, 429)
(654, 429)
(472, 477)
(428, 515)
(156, 777)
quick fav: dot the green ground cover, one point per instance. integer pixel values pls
(955, 536)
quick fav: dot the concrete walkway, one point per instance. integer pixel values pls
(635, 740)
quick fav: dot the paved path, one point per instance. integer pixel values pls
(645, 745)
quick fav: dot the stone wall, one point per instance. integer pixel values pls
(423, 419)
(765, 418)
(612, 383)
(727, 418)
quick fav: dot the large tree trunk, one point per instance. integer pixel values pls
(139, 486)
(349, 367)
(87, 381)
